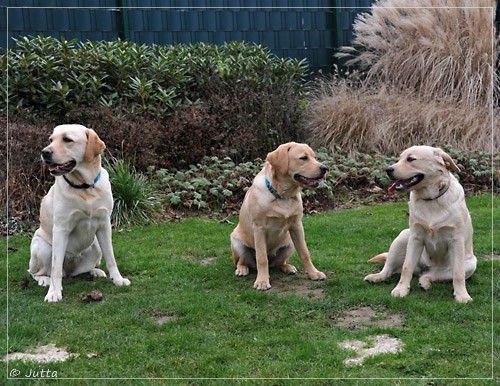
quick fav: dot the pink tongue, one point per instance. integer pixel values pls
(391, 188)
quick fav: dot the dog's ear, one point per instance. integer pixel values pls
(94, 145)
(279, 158)
(449, 163)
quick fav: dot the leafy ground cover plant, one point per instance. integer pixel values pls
(186, 315)
(217, 185)
(354, 177)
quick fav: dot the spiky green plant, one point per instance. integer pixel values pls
(135, 199)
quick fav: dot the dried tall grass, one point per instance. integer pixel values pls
(438, 48)
(429, 78)
(367, 118)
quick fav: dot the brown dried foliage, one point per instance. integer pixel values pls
(429, 79)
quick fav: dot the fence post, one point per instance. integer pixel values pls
(124, 32)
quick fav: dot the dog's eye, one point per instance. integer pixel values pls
(67, 140)
(303, 158)
(410, 159)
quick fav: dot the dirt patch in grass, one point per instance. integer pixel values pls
(490, 257)
(297, 285)
(208, 261)
(365, 317)
(42, 354)
(379, 344)
(161, 320)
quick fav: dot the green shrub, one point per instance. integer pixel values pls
(160, 104)
(51, 77)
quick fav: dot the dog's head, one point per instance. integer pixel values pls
(70, 146)
(419, 167)
(296, 162)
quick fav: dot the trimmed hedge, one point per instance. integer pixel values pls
(52, 77)
(159, 105)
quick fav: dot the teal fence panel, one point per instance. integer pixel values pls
(303, 29)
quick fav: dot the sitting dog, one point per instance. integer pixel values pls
(270, 226)
(75, 214)
(438, 244)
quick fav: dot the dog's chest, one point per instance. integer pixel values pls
(285, 209)
(436, 242)
(436, 238)
(84, 217)
(84, 228)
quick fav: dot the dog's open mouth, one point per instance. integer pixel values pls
(309, 182)
(60, 169)
(402, 185)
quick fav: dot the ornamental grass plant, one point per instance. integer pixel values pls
(422, 72)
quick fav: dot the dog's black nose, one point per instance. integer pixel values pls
(323, 169)
(46, 155)
(390, 171)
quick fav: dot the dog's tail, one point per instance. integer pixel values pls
(378, 259)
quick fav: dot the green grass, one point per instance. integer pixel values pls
(222, 328)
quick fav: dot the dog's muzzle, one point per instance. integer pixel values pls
(402, 185)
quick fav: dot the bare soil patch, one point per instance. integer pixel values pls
(379, 344)
(161, 320)
(42, 354)
(297, 285)
(365, 317)
(490, 257)
(208, 261)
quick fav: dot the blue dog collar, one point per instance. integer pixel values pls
(273, 191)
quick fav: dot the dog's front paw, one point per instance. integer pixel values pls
(375, 278)
(53, 296)
(262, 285)
(400, 291)
(317, 275)
(119, 281)
(463, 297)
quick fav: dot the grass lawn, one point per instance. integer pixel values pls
(186, 315)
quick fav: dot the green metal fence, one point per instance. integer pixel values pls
(304, 29)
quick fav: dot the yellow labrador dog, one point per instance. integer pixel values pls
(438, 245)
(270, 226)
(75, 214)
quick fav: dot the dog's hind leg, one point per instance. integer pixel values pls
(435, 274)
(40, 261)
(243, 257)
(281, 259)
(394, 259)
(86, 262)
